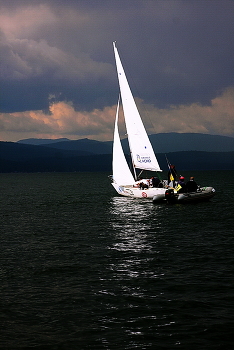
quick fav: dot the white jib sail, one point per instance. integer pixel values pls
(121, 172)
(142, 153)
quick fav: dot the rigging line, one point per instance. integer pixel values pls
(159, 175)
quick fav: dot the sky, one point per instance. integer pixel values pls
(58, 75)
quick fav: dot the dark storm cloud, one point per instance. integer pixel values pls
(178, 52)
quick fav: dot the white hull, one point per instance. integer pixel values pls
(130, 191)
(205, 193)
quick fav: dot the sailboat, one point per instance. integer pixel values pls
(127, 182)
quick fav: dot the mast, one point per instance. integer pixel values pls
(120, 71)
(121, 172)
(142, 153)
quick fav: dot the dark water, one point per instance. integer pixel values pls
(82, 268)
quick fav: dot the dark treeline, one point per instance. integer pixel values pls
(32, 160)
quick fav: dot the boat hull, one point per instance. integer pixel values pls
(130, 191)
(204, 194)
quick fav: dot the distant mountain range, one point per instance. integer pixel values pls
(187, 151)
(38, 142)
(162, 143)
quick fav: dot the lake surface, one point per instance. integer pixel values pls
(83, 268)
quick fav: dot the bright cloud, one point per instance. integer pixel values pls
(24, 58)
(64, 121)
(27, 55)
(217, 118)
(63, 48)
(22, 20)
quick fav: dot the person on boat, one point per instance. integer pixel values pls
(171, 176)
(143, 186)
(155, 181)
(181, 187)
(191, 185)
(142, 183)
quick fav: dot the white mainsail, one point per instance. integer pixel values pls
(121, 172)
(142, 153)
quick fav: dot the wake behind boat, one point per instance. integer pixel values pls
(127, 182)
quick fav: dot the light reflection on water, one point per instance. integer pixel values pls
(140, 268)
(135, 240)
(130, 221)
